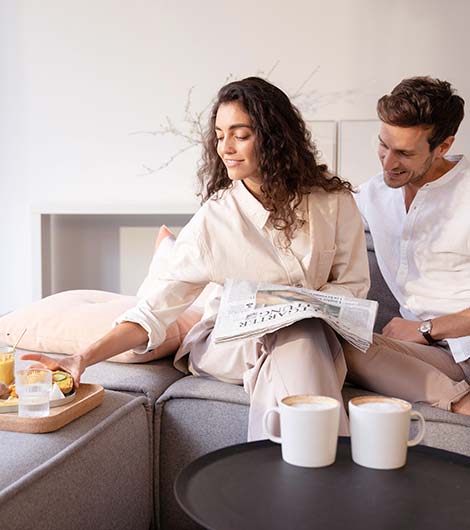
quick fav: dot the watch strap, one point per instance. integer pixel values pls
(428, 337)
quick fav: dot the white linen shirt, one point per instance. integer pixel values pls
(424, 254)
(232, 237)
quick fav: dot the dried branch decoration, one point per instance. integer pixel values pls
(192, 130)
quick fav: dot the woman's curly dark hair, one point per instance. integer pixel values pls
(286, 153)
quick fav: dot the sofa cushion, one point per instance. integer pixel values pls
(193, 387)
(93, 473)
(70, 321)
(388, 306)
(193, 417)
(163, 246)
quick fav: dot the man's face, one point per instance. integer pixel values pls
(405, 155)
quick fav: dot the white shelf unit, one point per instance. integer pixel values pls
(76, 246)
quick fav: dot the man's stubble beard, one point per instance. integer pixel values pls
(414, 179)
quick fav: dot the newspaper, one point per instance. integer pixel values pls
(249, 309)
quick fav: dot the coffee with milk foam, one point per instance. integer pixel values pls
(380, 406)
(312, 406)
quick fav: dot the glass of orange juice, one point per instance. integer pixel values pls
(7, 364)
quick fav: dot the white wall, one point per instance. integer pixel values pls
(78, 77)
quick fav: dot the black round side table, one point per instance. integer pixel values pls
(249, 486)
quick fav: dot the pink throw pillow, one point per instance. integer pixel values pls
(70, 321)
(163, 246)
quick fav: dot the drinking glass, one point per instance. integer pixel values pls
(33, 386)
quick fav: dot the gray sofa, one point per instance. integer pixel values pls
(115, 467)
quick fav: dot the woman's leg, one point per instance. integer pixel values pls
(304, 358)
(411, 371)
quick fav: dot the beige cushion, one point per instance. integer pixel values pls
(70, 321)
(163, 246)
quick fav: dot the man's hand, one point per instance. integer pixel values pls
(73, 365)
(401, 329)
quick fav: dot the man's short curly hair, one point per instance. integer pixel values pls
(423, 101)
(287, 156)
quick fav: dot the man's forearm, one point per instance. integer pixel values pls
(451, 326)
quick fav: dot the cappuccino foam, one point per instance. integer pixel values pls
(313, 406)
(308, 402)
(380, 406)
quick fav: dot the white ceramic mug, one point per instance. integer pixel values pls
(380, 429)
(309, 429)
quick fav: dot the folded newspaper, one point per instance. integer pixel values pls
(249, 309)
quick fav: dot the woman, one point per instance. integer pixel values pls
(271, 213)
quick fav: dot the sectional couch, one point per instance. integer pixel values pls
(114, 468)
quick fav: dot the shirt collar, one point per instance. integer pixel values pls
(250, 204)
(462, 164)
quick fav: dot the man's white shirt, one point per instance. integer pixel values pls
(424, 254)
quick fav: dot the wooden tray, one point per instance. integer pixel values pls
(12, 406)
(87, 397)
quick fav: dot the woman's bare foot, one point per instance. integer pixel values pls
(462, 406)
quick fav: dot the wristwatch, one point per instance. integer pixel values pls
(425, 329)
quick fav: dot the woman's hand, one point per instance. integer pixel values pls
(74, 364)
(125, 336)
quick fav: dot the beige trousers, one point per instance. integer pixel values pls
(304, 358)
(415, 372)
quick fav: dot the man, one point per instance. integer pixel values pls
(418, 213)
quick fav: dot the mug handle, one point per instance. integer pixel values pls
(422, 430)
(271, 436)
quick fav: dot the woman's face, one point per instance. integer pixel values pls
(236, 145)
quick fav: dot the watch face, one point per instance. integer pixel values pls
(425, 327)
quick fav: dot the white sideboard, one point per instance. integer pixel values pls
(77, 246)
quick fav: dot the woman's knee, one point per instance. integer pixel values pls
(311, 329)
